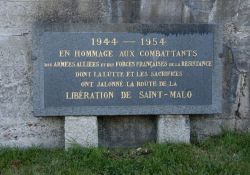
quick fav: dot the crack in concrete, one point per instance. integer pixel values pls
(232, 51)
(22, 34)
(243, 85)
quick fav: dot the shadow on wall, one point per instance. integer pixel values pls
(117, 11)
(88, 11)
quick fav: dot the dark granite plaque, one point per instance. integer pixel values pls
(126, 70)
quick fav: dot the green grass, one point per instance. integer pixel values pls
(226, 154)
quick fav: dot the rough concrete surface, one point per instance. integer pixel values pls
(129, 131)
(173, 129)
(81, 130)
(18, 127)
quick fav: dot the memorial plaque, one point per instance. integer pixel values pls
(131, 69)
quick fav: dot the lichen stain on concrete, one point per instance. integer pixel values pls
(58, 11)
(74, 11)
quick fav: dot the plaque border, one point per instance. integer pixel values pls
(38, 71)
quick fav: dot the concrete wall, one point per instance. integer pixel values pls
(18, 127)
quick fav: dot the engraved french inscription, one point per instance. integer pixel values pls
(124, 71)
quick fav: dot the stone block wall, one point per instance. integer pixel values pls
(18, 126)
